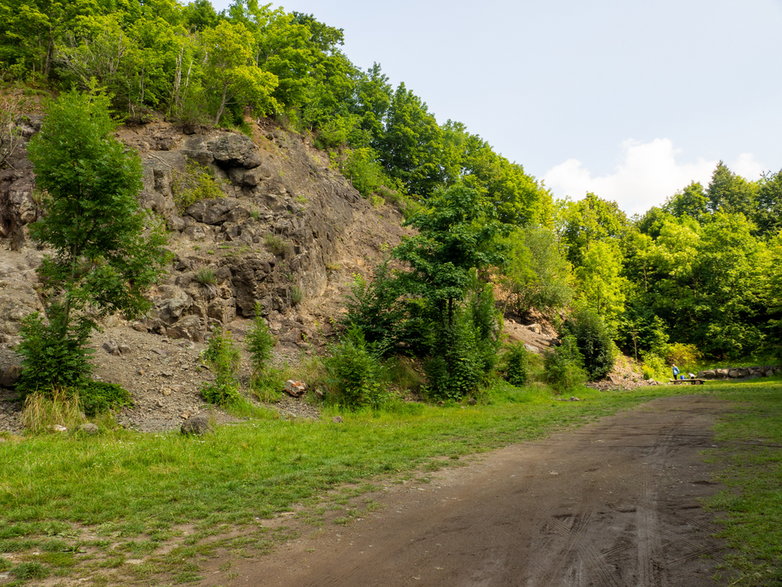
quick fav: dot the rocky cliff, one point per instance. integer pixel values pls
(251, 219)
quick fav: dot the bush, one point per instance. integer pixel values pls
(196, 183)
(486, 322)
(594, 342)
(655, 367)
(98, 397)
(564, 366)
(51, 360)
(354, 373)
(377, 309)
(516, 368)
(260, 342)
(222, 358)
(266, 383)
(536, 272)
(684, 355)
(364, 171)
(455, 367)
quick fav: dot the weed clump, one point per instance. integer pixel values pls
(277, 245)
(205, 276)
(222, 358)
(44, 411)
(29, 570)
(99, 397)
(196, 183)
(265, 381)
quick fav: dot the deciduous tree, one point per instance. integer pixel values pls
(104, 257)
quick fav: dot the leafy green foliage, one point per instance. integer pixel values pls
(200, 67)
(768, 215)
(686, 356)
(260, 342)
(265, 381)
(455, 237)
(727, 192)
(564, 366)
(106, 255)
(437, 308)
(387, 319)
(593, 231)
(411, 146)
(365, 172)
(195, 183)
(535, 272)
(516, 364)
(702, 277)
(457, 367)
(49, 359)
(774, 326)
(222, 358)
(594, 343)
(641, 332)
(231, 77)
(355, 373)
(97, 397)
(691, 201)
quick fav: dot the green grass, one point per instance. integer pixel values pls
(88, 505)
(750, 456)
(111, 495)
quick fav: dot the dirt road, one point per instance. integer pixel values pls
(615, 503)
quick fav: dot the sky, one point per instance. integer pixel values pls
(629, 99)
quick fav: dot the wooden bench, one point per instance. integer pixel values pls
(690, 381)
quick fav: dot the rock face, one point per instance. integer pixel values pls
(278, 227)
(17, 206)
(288, 233)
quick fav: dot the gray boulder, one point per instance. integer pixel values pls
(189, 327)
(234, 150)
(195, 425)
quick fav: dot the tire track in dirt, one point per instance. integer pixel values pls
(612, 504)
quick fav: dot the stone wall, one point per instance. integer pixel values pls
(739, 372)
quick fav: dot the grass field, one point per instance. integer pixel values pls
(750, 460)
(138, 506)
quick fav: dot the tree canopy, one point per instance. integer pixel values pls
(702, 269)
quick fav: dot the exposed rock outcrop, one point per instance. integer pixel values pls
(289, 233)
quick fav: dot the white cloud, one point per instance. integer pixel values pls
(647, 175)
